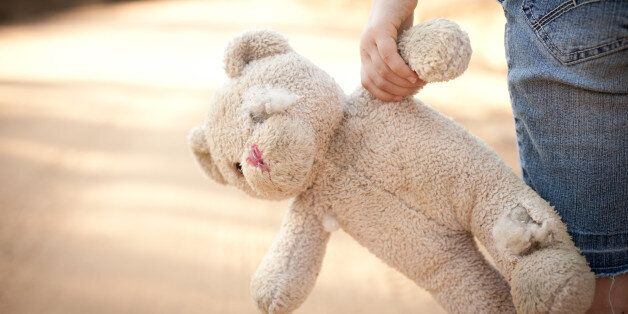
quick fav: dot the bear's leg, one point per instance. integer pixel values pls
(552, 280)
(462, 281)
(532, 249)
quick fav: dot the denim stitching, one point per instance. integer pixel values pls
(586, 233)
(620, 41)
(605, 250)
(548, 43)
(550, 16)
(568, 8)
(609, 274)
(601, 51)
(611, 267)
(588, 54)
(526, 9)
(567, 58)
(536, 21)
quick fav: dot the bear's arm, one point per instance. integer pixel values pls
(287, 273)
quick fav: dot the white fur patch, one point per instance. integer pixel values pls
(517, 233)
(262, 101)
(330, 224)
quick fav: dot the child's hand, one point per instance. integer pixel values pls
(384, 73)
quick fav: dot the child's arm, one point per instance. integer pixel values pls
(384, 73)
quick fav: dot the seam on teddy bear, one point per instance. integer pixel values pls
(398, 197)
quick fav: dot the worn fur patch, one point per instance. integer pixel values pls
(516, 232)
(260, 101)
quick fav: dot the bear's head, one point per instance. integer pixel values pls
(271, 124)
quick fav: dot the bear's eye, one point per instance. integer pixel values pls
(256, 118)
(238, 167)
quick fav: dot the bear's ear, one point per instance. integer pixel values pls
(198, 144)
(253, 45)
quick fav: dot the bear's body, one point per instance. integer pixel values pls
(407, 183)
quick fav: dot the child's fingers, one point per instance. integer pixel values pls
(377, 92)
(370, 51)
(387, 48)
(386, 73)
(382, 83)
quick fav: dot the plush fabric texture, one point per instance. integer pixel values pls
(437, 51)
(407, 183)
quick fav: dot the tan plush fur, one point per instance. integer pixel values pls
(406, 182)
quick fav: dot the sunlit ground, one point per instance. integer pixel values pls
(102, 208)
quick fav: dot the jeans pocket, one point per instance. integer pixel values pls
(574, 31)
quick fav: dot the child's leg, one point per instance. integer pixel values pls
(569, 91)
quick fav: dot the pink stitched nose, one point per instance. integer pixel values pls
(255, 158)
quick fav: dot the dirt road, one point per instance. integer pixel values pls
(102, 209)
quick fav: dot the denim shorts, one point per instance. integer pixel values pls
(568, 82)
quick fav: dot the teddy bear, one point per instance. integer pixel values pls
(409, 184)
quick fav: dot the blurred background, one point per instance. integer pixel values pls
(102, 207)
